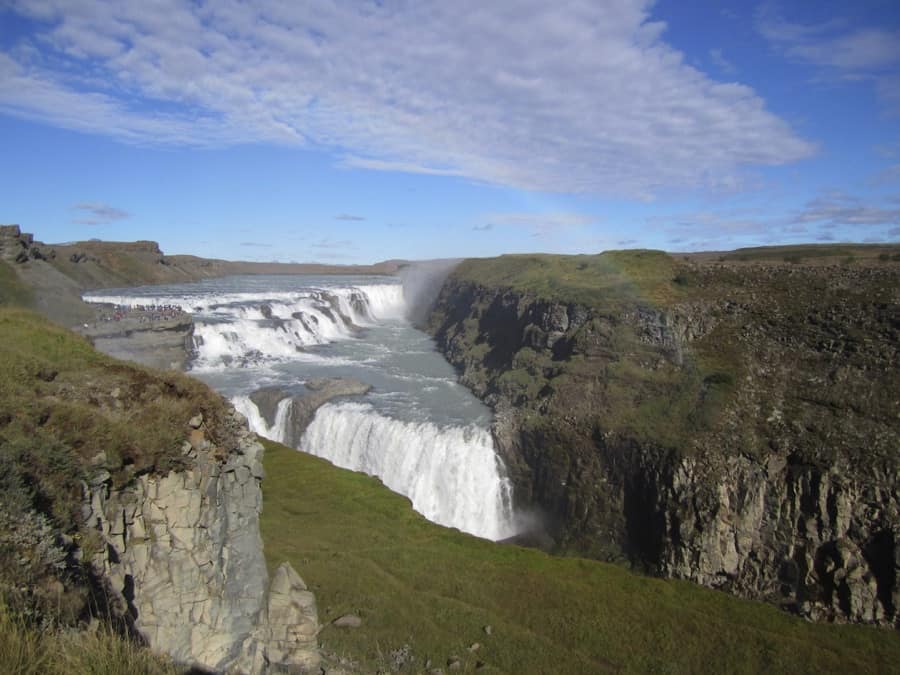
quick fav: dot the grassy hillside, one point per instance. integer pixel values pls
(12, 290)
(604, 280)
(611, 279)
(67, 413)
(429, 591)
(27, 651)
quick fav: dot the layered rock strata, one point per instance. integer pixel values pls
(745, 439)
(183, 557)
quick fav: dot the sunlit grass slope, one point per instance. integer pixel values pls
(606, 280)
(25, 650)
(363, 549)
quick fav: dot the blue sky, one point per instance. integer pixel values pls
(360, 131)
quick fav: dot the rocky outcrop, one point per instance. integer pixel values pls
(744, 437)
(183, 558)
(20, 247)
(298, 411)
(163, 341)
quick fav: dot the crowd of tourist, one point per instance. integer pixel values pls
(144, 313)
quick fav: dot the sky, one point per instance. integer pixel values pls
(358, 131)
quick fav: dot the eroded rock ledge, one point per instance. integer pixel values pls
(184, 560)
(302, 408)
(745, 439)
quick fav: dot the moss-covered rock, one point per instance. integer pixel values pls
(733, 423)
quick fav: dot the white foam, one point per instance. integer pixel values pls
(237, 329)
(257, 422)
(451, 474)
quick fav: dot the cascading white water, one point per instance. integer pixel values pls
(237, 329)
(418, 430)
(258, 424)
(450, 474)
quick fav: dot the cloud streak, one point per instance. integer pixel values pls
(96, 213)
(541, 224)
(580, 97)
(863, 53)
(836, 209)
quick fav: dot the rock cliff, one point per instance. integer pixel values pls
(734, 425)
(134, 495)
(284, 416)
(184, 562)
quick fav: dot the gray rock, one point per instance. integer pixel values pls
(303, 408)
(185, 560)
(347, 621)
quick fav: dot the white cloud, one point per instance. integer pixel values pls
(95, 213)
(836, 208)
(578, 96)
(540, 224)
(719, 61)
(850, 53)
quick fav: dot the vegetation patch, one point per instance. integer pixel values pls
(25, 650)
(12, 290)
(67, 414)
(603, 281)
(427, 594)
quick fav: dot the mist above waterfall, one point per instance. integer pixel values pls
(422, 283)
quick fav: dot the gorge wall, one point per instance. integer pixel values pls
(133, 496)
(183, 559)
(734, 425)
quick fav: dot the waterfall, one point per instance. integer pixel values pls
(451, 474)
(271, 332)
(258, 424)
(240, 329)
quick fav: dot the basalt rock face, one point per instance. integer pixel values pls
(742, 435)
(301, 409)
(184, 561)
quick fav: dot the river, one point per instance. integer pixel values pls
(418, 430)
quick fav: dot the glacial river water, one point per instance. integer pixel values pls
(418, 430)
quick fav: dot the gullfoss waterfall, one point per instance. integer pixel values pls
(418, 430)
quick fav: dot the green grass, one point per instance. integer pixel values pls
(68, 412)
(55, 387)
(603, 281)
(362, 549)
(807, 253)
(12, 290)
(27, 651)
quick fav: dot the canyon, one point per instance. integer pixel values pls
(727, 419)
(726, 422)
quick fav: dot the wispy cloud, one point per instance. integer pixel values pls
(542, 224)
(96, 213)
(255, 244)
(848, 53)
(719, 61)
(600, 102)
(483, 228)
(332, 244)
(832, 214)
(348, 216)
(836, 208)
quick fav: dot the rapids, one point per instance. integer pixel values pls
(420, 432)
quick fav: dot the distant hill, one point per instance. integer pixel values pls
(52, 277)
